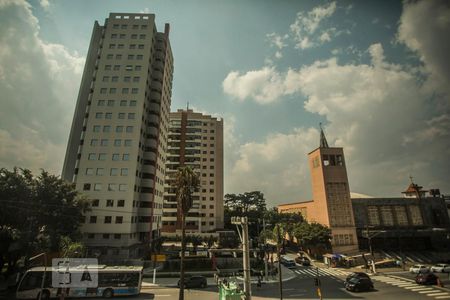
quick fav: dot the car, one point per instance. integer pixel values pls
(304, 261)
(429, 278)
(419, 269)
(356, 284)
(288, 262)
(194, 282)
(357, 275)
(441, 268)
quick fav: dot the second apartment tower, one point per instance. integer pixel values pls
(117, 146)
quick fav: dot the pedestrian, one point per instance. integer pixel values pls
(259, 282)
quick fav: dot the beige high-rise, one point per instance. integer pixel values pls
(195, 140)
(117, 145)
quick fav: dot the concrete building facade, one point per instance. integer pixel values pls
(195, 140)
(118, 140)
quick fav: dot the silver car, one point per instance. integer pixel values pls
(419, 269)
(441, 268)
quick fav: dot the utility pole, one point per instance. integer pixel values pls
(265, 256)
(245, 253)
(279, 263)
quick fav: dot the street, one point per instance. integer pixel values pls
(387, 286)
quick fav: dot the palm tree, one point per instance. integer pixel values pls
(186, 182)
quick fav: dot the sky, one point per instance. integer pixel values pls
(376, 74)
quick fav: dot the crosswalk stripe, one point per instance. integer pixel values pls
(437, 294)
(421, 289)
(412, 287)
(424, 292)
(443, 297)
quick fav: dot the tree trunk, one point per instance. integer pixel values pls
(183, 247)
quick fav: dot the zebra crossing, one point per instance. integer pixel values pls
(319, 272)
(409, 284)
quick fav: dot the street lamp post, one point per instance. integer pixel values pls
(245, 253)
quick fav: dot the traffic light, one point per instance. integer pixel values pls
(316, 282)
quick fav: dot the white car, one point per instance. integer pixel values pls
(419, 269)
(443, 268)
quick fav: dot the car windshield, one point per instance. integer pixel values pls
(354, 280)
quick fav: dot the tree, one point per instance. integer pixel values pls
(312, 235)
(44, 202)
(186, 183)
(69, 248)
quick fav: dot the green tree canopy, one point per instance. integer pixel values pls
(312, 235)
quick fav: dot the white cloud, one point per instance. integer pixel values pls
(39, 88)
(378, 112)
(306, 24)
(425, 28)
(44, 3)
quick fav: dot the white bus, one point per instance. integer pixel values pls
(112, 281)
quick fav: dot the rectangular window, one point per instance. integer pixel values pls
(130, 56)
(93, 219)
(91, 156)
(97, 187)
(101, 103)
(122, 36)
(141, 46)
(112, 187)
(124, 26)
(134, 90)
(98, 115)
(129, 68)
(119, 128)
(106, 236)
(131, 116)
(123, 102)
(132, 46)
(117, 143)
(109, 203)
(86, 187)
(127, 143)
(105, 78)
(120, 46)
(112, 90)
(109, 56)
(104, 142)
(120, 203)
(89, 171)
(110, 102)
(115, 156)
(95, 202)
(106, 128)
(122, 187)
(127, 79)
(115, 78)
(113, 36)
(129, 129)
(114, 171)
(124, 172)
(115, 26)
(107, 67)
(136, 79)
(121, 116)
(94, 142)
(133, 103)
(102, 156)
(134, 36)
(125, 90)
(137, 68)
(126, 156)
(103, 91)
(108, 219)
(100, 171)
(142, 36)
(116, 67)
(108, 115)
(117, 236)
(119, 219)
(139, 57)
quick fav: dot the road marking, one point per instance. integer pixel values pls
(437, 294)
(421, 289)
(424, 292)
(443, 297)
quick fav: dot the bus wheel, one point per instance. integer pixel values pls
(108, 293)
(45, 295)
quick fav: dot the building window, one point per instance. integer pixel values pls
(129, 129)
(132, 46)
(127, 143)
(120, 203)
(402, 217)
(130, 56)
(126, 156)
(93, 219)
(116, 67)
(107, 67)
(103, 90)
(139, 57)
(125, 90)
(106, 128)
(134, 36)
(110, 102)
(122, 187)
(120, 46)
(97, 187)
(106, 236)
(109, 203)
(117, 143)
(105, 78)
(114, 171)
(119, 219)
(387, 216)
(101, 103)
(124, 172)
(115, 156)
(112, 90)
(119, 128)
(121, 116)
(117, 236)
(86, 187)
(134, 90)
(131, 116)
(137, 68)
(104, 142)
(112, 187)
(141, 46)
(133, 103)
(115, 78)
(136, 78)
(108, 115)
(102, 156)
(142, 36)
(416, 216)
(108, 219)
(109, 56)
(100, 171)
(91, 156)
(127, 79)
(91, 235)
(95, 202)
(89, 171)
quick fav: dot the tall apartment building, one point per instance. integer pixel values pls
(195, 140)
(117, 146)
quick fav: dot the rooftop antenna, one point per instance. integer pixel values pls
(411, 178)
(187, 107)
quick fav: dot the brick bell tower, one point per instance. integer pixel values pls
(331, 193)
